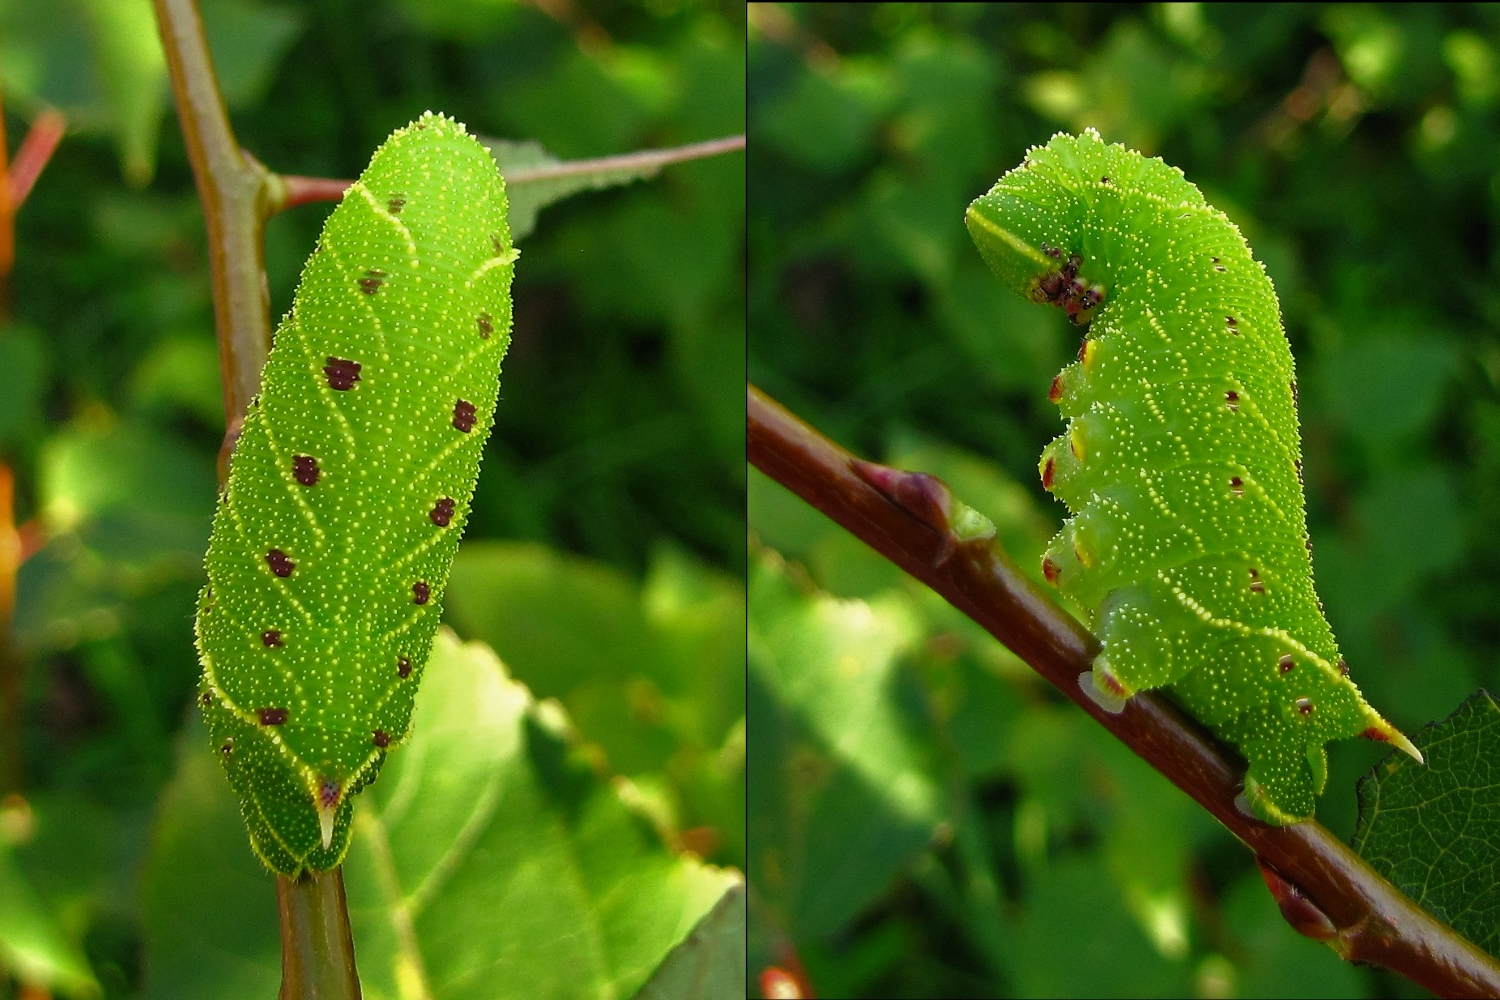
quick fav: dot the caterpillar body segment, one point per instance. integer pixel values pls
(349, 488)
(1181, 461)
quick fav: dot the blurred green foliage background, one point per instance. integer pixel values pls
(604, 555)
(925, 817)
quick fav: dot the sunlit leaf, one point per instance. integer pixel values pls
(32, 946)
(489, 861)
(840, 793)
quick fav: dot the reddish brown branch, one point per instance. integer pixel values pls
(36, 150)
(903, 516)
(297, 190)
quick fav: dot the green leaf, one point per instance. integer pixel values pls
(181, 375)
(560, 622)
(604, 110)
(841, 795)
(653, 674)
(133, 69)
(32, 946)
(248, 39)
(710, 963)
(488, 861)
(23, 364)
(99, 61)
(541, 178)
(91, 471)
(585, 633)
(825, 120)
(462, 20)
(1077, 940)
(1133, 89)
(1079, 782)
(1433, 830)
(128, 511)
(1388, 388)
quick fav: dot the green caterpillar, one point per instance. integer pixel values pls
(349, 488)
(1181, 462)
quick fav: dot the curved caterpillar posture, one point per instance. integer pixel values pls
(349, 488)
(1181, 462)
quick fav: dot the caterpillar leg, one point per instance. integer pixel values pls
(1284, 779)
(1149, 640)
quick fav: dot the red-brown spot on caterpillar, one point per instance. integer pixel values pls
(442, 512)
(1053, 252)
(1048, 288)
(1234, 325)
(305, 469)
(1307, 541)
(1236, 486)
(382, 739)
(1286, 663)
(1298, 464)
(228, 747)
(1104, 180)
(272, 716)
(208, 698)
(1083, 349)
(1055, 391)
(1305, 706)
(463, 415)
(279, 563)
(395, 205)
(271, 637)
(420, 592)
(403, 667)
(1232, 400)
(486, 326)
(371, 282)
(341, 373)
(1343, 667)
(1257, 585)
(1109, 682)
(1375, 734)
(328, 793)
(1048, 469)
(1050, 570)
(1075, 441)
(499, 247)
